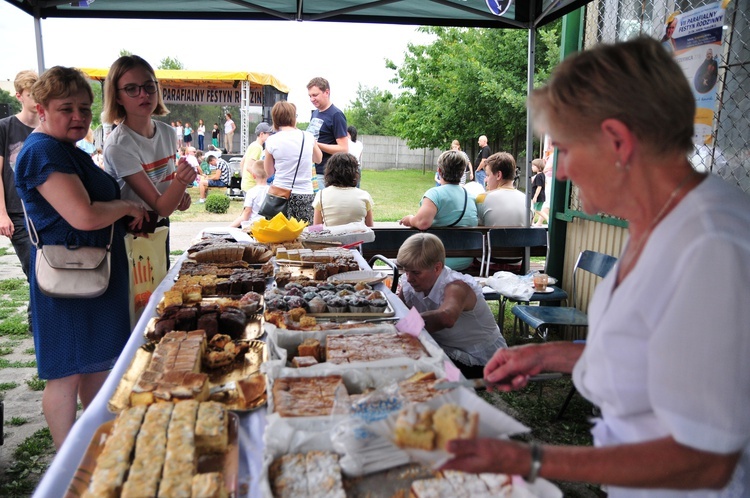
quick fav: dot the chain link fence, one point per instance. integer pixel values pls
(728, 154)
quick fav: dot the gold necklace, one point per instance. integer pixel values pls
(662, 212)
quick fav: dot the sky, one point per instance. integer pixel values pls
(354, 54)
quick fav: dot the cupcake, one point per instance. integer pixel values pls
(317, 305)
(326, 286)
(337, 305)
(344, 293)
(295, 302)
(348, 287)
(378, 305)
(359, 305)
(309, 296)
(362, 286)
(276, 303)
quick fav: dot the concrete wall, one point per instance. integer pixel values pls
(392, 153)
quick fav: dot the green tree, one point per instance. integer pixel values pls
(469, 82)
(8, 98)
(170, 63)
(96, 105)
(372, 112)
(124, 52)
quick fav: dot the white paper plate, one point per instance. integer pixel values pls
(355, 277)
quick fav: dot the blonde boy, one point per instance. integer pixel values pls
(254, 197)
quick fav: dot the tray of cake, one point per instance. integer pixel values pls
(359, 345)
(165, 449)
(187, 365)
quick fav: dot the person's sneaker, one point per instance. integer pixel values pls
(201, 201)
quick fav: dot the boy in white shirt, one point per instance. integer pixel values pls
(253, 198)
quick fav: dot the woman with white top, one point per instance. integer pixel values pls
(290, 155)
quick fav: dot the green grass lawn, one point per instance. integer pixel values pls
(396, 193)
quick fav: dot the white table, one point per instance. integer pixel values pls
(63, 467)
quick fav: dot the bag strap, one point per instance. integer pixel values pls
(466, 200)
(34, 236)
(298, 161)
(322, 212)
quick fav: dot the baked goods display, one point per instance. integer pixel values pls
(432, 429)
(342, 348)
(157, 451)
(174, 412)
(313, 474)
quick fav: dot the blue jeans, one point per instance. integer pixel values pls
(479, 176)
(200, 142)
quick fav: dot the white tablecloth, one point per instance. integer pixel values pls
(63, 467)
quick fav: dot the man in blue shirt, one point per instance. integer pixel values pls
(327, 124)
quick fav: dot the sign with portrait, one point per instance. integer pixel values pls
(695, 39)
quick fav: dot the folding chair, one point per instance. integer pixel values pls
(501, 241)
(540, 318)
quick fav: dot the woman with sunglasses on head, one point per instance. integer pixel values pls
(139, 153)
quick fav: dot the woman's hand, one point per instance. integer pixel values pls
(406, 220)
(489, 455)
(185, 202)
(185, 173)
(138, 212)
(513, 366)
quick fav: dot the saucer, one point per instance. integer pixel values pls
(545, 291)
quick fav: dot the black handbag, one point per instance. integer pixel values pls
(277, 198)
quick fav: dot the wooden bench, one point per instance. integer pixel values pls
(481, 242)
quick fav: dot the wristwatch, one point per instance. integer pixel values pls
(536, 462)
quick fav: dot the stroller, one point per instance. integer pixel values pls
(234, 191)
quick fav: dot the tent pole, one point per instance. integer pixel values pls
(529, 135)
(244, 115)
(38, 38)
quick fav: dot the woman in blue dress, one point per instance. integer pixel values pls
(72, 201)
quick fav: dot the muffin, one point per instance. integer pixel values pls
(378, 305)
(337, 305)
(359, 305)
(317, 305)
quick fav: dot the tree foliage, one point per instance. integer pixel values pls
(469, 82)
(170, 63)
(372, 112)
(9, 98)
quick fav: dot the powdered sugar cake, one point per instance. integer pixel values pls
(305, 396)
(371, 347)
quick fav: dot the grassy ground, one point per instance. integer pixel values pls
(396, 193)
(28, 460)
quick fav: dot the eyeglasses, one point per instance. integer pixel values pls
(133, 90)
